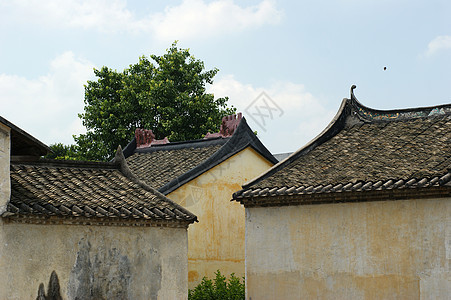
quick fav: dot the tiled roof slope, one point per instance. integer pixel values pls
(365, 150)
(162, 163)
(88, 190)
(170, 166)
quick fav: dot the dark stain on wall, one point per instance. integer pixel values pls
(53, 289)
(99, 274)
(155, 285)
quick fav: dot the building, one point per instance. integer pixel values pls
(92, 230)
(363, 211)
(201, 175)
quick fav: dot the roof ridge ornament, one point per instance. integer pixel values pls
(368, 114)
(353, 87)
(228, 126)
(146, 138)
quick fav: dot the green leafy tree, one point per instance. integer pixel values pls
(167, 95)
(219, 289)
(61, 151)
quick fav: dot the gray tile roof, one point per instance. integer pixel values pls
(161, 165)
(169, 166)
(365, 150)
(50, 188)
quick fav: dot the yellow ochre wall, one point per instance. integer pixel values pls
(371, 250)
(217, 241)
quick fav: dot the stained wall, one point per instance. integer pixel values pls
(372, 250)
(217, 241)
(93, 262)
(5, 188)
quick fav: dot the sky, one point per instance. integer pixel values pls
(286, 65)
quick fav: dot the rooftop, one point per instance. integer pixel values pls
(363, 149)
(169, 166)
(158, 165)
(85, 190)
(56, 191)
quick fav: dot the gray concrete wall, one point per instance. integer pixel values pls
(5, 185)
(373, 250)
(93, 262)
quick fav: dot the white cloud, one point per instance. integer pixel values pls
(102, 15)
(47, 106)
(195, 18)
(442, 42)
(297, 115)
(190, 19)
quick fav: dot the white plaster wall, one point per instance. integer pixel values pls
(93, 262)
(373, 250)
(5, 185)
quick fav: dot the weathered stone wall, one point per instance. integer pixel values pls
(93, 262)
(372, 250)
(5, 189)
(217, 241)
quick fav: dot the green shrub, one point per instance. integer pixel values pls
(218, 289)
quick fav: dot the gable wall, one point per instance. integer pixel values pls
(5, 185)
(93, 262)
(217, 241)
(372, 250)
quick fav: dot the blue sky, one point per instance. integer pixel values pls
(304, 55)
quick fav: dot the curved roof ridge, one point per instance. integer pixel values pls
(184, 144)
(367, 114)
(337, 123)
(241, 138)
(125, 170)
(352, 112)
(130, 149)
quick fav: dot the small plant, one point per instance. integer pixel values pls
(218, 289)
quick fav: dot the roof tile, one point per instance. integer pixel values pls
(160, 167)
(365, 149)
(56, 189)
(167, 167)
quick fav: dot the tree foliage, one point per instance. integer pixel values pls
(166, 94)
(65, 152)
(219, 289)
